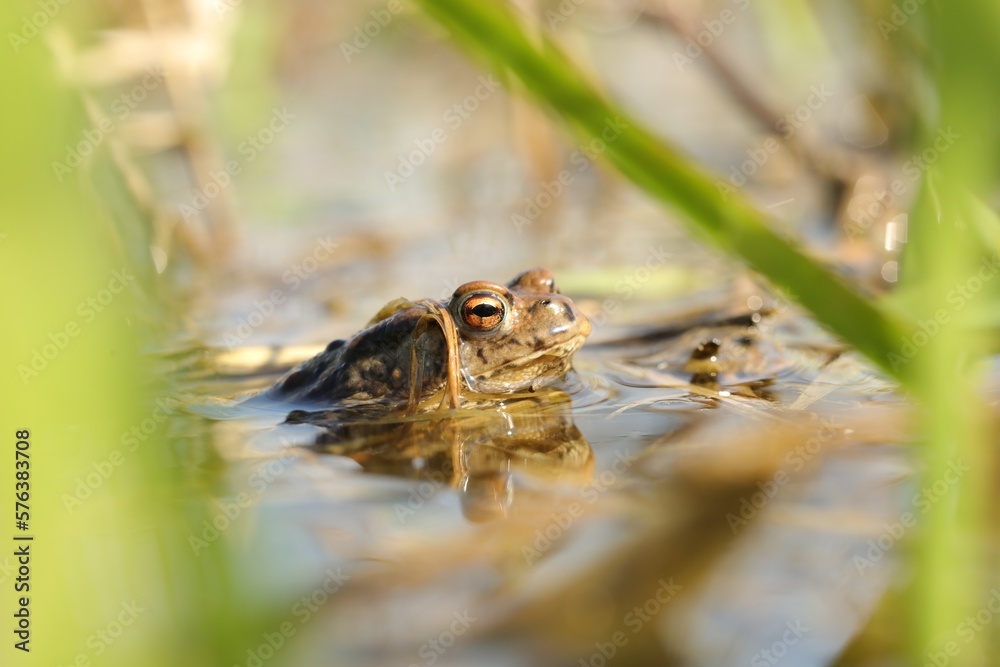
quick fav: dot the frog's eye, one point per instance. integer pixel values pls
(483, 312)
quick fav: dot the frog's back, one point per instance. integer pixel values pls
(373, 365)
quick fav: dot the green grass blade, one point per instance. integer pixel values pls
(731, 224)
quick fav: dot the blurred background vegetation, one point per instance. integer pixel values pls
(200, 153)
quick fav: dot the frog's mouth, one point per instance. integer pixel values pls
(530, 371)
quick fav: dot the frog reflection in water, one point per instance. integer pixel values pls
(489, 455)
(487, 339)
(493, 346)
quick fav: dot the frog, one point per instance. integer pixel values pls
(488, 338)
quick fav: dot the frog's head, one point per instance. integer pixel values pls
(518, 336)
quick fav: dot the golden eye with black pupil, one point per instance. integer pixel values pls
(483, 312)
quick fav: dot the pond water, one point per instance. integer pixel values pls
(648, 508)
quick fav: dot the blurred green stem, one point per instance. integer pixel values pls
(952, 241)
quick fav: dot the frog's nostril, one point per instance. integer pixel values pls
(545, 302)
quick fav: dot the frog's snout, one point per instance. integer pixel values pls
(571, 314)
(565, 319)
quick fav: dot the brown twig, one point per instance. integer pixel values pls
(831, 162)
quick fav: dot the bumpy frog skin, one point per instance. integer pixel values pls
(508, 339)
